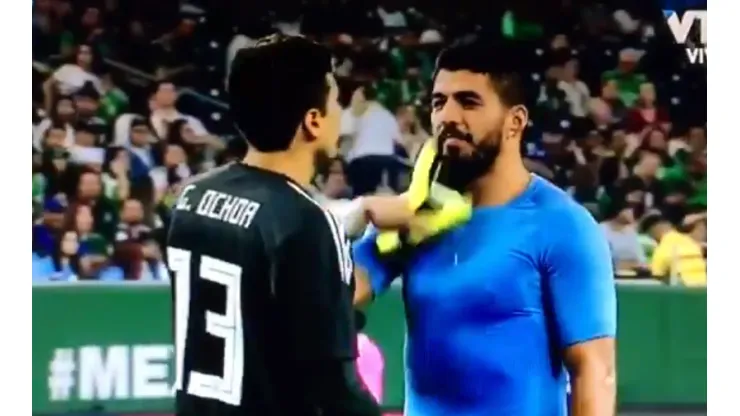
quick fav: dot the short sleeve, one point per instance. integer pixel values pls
(314, 288)
(380, 273)
(579, 277)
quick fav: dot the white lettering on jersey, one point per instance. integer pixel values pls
(227, 386)
(182, 200)
(228, 208)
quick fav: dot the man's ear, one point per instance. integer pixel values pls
(518, 120)
(312, 124)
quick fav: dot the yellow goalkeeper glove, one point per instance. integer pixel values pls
(437, 207)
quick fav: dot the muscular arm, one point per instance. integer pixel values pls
(591, 366)
(580, 287)
(373, 274)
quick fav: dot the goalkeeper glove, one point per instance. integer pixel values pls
(437, 207)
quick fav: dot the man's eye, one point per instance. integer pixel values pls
(468, 104)
(437, 104)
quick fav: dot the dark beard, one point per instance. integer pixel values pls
(459, 171)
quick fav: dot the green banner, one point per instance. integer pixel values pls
(111, 345)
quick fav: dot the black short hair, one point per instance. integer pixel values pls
(651, 220)
(159, 84)
(483, 57)
(273, 84)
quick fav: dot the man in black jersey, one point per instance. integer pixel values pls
(262, 273)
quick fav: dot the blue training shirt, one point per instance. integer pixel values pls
(493, 303)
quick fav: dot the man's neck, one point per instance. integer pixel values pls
(297, 167)
(507, 180)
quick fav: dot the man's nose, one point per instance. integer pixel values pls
(450, 113)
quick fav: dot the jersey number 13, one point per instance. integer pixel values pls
(227, 386)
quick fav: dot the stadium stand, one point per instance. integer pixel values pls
(128, 103)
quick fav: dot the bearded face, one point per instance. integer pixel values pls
(468, 119)
(463, 158)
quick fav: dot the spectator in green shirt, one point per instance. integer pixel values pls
(628, 81)
(113, 102)
(693, 172)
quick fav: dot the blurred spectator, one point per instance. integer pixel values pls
(140, 144)
(63, 264)
(333, 183)
(696, 226)
(612, 166)
(168, 178)
(39, 181)
(47, 230)
(621, 232)
(116, 174)
(71, 77)
(113, 100)
(131, 225)
(63, 117)
(585, 188)
(139, 259)
(677, 255)
(59, 176)
(163, 112)
(625, 75)
(127, 262)
(413, 134)
(372, 132)
(645, 177)
(89, 191)
(127, 107)
(87, 103)
(153, 267)
(689, 173)
(607, 108)
(647, 115)
(576, 92)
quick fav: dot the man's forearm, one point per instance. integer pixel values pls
(593, 394)
(592, 368)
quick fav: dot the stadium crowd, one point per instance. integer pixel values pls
(126, 108)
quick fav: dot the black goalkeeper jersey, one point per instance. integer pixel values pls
(262, 286)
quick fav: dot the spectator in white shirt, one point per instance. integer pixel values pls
(164, 112)
(372, 133)
(69, 78)
(576, 92)
(621, 233)
(63, 113)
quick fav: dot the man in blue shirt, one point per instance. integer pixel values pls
(500, 308)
